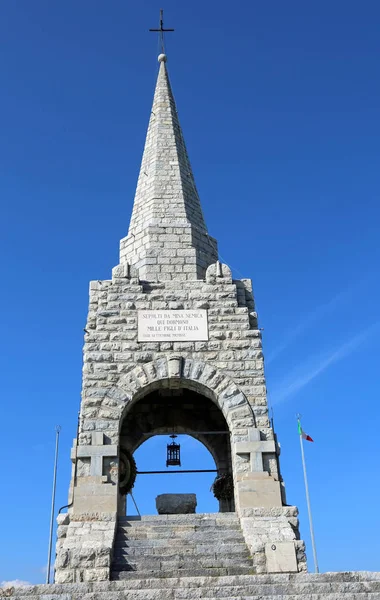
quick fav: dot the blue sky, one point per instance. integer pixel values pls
(279, 103)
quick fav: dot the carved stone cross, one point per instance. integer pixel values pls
(96, 451)
(255, 448)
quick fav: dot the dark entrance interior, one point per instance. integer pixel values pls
(181, 411)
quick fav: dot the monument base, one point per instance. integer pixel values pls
(345, 586)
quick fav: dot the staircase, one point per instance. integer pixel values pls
(180, 545)
(196, 557)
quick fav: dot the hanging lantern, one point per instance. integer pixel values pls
(173, 453)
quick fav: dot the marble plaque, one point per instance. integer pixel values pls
(172, 325)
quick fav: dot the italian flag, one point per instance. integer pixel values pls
(303, 434)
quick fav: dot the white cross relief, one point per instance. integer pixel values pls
(255, 448)
(96, 451)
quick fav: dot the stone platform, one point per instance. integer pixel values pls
(326, 586)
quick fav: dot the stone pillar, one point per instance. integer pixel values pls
(96, 488)
(86, 533)
(256, 487)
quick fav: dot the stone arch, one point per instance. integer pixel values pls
(177, 405)
(218, 446)
(175, 371)
(183, 411)
(104, 409)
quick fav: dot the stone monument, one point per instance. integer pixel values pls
(172, 344)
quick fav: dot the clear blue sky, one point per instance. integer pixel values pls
(279, 102)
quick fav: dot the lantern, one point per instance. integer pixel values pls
(173, 453)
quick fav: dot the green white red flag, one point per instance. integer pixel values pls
(303, 434)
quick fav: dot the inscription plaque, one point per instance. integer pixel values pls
(172, 325)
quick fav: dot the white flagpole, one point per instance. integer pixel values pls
(57, 431)
(308, 500)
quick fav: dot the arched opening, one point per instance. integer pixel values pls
(180, 411)
(151, 456)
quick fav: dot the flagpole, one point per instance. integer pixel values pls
(57, 432)
(308, 502)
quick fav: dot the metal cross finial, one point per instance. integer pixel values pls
(161, 31)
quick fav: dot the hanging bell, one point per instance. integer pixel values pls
(173, 458)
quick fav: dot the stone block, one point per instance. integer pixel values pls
(63, 519)
(257, 491)
(93, 496)
(175, 504)
(281, 557)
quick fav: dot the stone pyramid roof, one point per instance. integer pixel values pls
(167, 213)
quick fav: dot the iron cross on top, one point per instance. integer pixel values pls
(161, 30)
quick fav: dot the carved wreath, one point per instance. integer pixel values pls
(127, 471)
(223, 487)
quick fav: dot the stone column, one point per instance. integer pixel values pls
(256, 487)
(86, 533)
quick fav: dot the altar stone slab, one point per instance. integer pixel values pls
(176, 504)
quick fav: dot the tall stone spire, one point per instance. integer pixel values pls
(167, 237)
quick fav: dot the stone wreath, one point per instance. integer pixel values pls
(223, 487)
(128, 472)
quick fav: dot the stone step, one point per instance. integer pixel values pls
(184, 573)
(170, 594)
(179, 522)
(170, 563)
(175, 532)
(195, 517)
(195, 526)
(159, 595)
(324, 586)
(189, 550)
(307, 590)
(191, 538)
(195, 538)
(178, 532)
(284, 580)
(303, 581)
